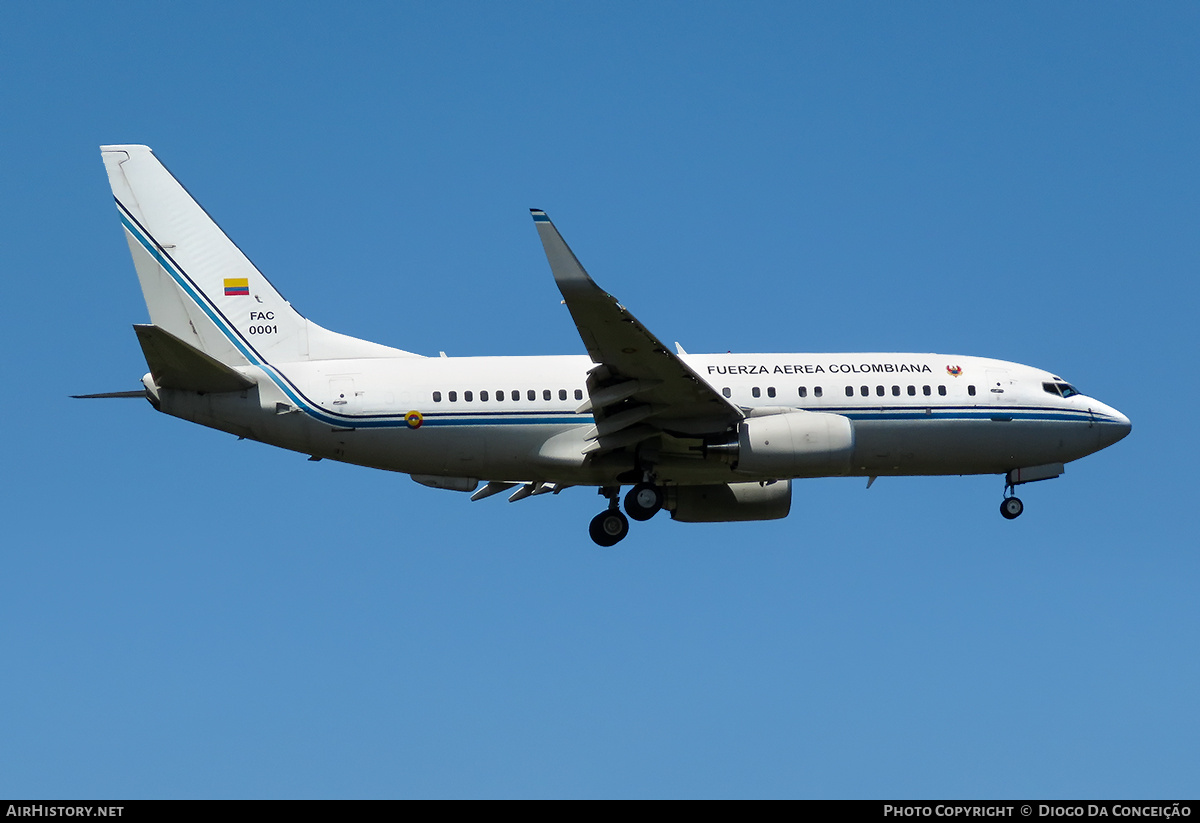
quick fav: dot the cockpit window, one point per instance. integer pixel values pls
(1061, 389)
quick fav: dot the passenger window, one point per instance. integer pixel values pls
(755, 391)
(849, 391)
(468, 396)
(926, 390)
(579, 394)
(562, 394)
(725, 391)
(817, 391)
(803, 391)
(516, 394)
(545, 394)
(879, 391)
(483, 396)
(531, 394)
(895, 391)
(971, 390)
(865, 391)
(437, 397)
(770, 391)
(500, 395)
(942, 391)
(453, 397)
(912, 391)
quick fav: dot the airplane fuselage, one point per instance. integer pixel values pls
(521, 417)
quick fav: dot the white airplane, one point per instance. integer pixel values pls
(709, 437)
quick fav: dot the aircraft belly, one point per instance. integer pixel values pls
(461, 453)
(965, 446)
(508, 452)
(240, 413)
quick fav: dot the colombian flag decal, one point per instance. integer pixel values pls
(237, 286)
(414, 419)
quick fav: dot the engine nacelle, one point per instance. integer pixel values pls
(728, 502)
(796, 444)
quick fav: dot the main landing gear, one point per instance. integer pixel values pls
(609, 528)
(641, 503)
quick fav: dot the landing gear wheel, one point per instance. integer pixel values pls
(1011, 508)
(643, 501)
(609, 528)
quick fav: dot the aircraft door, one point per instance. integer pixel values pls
(997, 388)
(343, 398)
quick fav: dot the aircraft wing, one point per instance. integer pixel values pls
(639, 388)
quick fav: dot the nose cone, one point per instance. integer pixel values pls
(1113, 426)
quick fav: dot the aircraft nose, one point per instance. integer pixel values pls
(1114, 427)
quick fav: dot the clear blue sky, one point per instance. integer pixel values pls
(186, 615)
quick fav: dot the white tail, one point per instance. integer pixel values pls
(199, 286)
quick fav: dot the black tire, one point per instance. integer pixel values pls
(608, 528)
(1011, 508)
(643, 501)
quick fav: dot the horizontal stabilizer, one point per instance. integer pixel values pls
(176, 365)
(140, 393)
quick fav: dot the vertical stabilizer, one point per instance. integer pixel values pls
(199, 286)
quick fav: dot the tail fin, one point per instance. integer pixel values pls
(199, 286)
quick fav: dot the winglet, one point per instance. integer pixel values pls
(569, 273)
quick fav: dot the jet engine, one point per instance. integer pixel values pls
(727, 502)
(791, 444)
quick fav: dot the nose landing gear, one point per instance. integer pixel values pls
(1011, 508)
